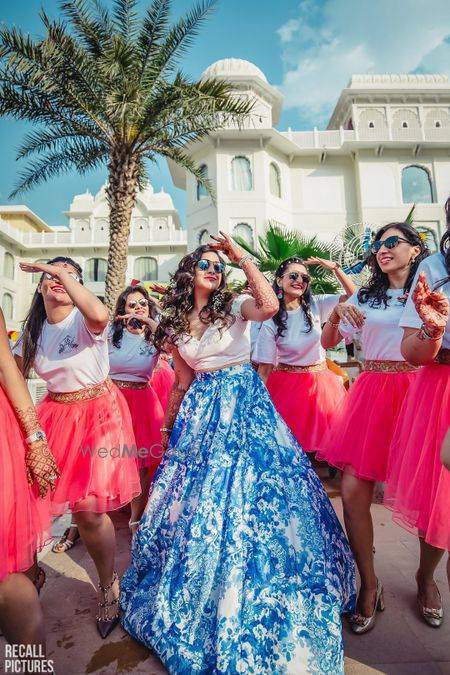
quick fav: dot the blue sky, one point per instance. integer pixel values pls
(307, 48)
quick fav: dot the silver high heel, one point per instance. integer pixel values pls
(360, 624)
(433, 616)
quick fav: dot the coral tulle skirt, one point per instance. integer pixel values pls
(24, 517)
(87, 439)
(418, 487)
(359, 440)
(147, 415)
(162, 380)
(307, 402)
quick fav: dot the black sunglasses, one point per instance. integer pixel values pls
(204, 264)
(390, 242)
(293, 276)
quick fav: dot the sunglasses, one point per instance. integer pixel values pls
(134, 303)
(390, 242)
(71, 274)
(205, 264)
(293, 276)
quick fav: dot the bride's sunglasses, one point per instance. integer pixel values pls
(203, 264)
(390, 242)
(293, 276)
(51, 278)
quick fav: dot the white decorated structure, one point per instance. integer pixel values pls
(387, 146)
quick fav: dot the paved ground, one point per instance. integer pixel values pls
(401, 643)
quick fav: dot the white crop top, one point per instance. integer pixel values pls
(381, 336)
(435, 270)
(134, 360)
(69, 357)
(214, 350)
(296, 347)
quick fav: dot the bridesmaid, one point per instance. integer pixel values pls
(27, 471)
(290, 357)
(84, 416)
(418, 484)
(239, 563)
(360, 437)
(132, 359)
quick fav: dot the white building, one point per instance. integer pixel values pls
(386, 147)
(156, 244)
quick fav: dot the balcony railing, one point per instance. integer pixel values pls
(335, 138)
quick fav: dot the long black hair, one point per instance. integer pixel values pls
(117, 325)
(445, 245)
(178, 302)
(34, 320)
(280, 318)
(375, 292)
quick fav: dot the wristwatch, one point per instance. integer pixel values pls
(37, 436)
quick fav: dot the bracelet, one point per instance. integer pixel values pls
(336, 267)
(165, 430)
(335, 325)
(37, 436)
(245, 259)
(423, 335)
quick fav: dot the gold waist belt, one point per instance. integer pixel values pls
(286, 368)
(127, 384)
(443, 357)
(86, 394)
(389, 367)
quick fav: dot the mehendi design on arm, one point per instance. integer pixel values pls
(28, 420)
(261, 289)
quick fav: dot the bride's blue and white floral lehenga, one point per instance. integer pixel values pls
(239, 564)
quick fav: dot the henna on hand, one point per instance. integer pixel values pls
(176, 396)
(431, 306)
(260, 288)
(28, 420)
(41, 467)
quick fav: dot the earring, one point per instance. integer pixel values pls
(217, 301)
(280, 293)
(413, 260)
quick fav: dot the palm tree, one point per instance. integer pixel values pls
(103, 86)
(279, 243)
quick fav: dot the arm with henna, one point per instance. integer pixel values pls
(183, 378)
(39, 461)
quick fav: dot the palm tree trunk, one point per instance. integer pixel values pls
(121, 195)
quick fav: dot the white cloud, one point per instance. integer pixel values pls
(333, 39)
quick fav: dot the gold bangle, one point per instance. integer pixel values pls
(426, 336)
(335, 325)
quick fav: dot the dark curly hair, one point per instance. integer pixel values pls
(280, 318)
(178, 301)
(117, 325)
(34, 320)
(375, 292)
(445, 246)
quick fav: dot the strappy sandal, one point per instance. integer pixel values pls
(64, 544)
(106, 624)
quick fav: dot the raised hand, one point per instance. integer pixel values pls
(431, 306)
(227, 246)
(41, 467)
(54, 270)
(327, 264)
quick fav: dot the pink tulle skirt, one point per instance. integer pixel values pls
(87, 439)
(307, 402)
(162, 380)
(24, 517)
(360, 437)
(418, 489)
(147, 416)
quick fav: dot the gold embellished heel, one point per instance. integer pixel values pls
(106, 624)
(360, 624)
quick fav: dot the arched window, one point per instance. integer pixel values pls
(241, 174)
(201, 190)
(7, 306)
(95, 269)
(8, 266)
(37, 275)
(146, 269)
(275, 180)
(432, 241)
(245, 232)
(416, 185)
(203, 237)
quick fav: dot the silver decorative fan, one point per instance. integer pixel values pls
(350, 249)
